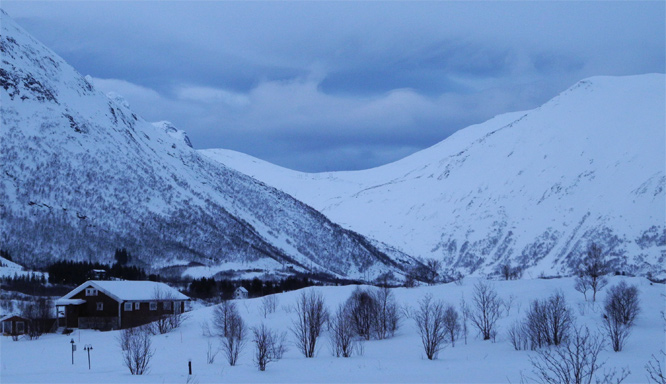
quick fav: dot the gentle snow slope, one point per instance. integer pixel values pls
(533, 187)
(396, 360)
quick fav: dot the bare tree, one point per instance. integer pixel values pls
(269, 304)
(452, 323)
(235, 339)
(363, 311)
(173, 317)
(464, 309)
(655, 369)
(221, 317)
(265, 341)
(38, 311)
(343, 340)
(592, 272)
(486, 309)
(548, 322)
(136, 348)
(387, 317)
(211, 352)
(575, 361)
(620, 310)
(311, 316)
(429, 317)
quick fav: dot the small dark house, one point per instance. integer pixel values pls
(108, 305)
(14, 325)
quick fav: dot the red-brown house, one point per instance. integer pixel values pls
(104, 305)
(14, 325)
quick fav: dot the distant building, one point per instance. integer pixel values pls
(97, 274)
(108, 305)
(240, 293)
(14, 325)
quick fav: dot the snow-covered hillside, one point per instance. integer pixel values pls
(82, 175)
(395, 360)
(533, 187)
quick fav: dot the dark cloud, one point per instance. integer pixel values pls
(337, 85)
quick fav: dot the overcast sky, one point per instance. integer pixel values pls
(319, 86)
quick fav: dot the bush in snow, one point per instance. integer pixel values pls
(430, 319)
(311, 315)
(222, 315)
(592, 273)
(269, 304)
(234, 340)
(136, 348)
(620, 310)
(269, 346)
(655, 369)
(575, 361)
(363, 311)
(387, 316)
(343, 341)
(452, 324)
(486, 309)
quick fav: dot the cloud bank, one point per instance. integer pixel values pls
(341, 85)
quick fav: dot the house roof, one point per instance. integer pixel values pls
(130, 290)
(11, 316)
(242, 289)
(69, 301)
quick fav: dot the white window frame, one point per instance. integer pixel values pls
(153, 306)
(128, 306)
(91, 292)
(100, 306)
(137, 305)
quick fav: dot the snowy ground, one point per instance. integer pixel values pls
(396, 360)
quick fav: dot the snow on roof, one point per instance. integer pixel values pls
(242, 289)
(131, 290)
(9, 316)
(69, 301)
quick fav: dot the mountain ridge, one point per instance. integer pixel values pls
(82, 174)
(532, 187)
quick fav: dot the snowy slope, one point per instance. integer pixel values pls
(82, 175)
(532, 187)
(396, 360)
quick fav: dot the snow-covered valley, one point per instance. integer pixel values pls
(399, 359)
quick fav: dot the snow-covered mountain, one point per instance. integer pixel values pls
(82, 175)
(533, 188)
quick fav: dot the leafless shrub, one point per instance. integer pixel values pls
(311, 316)
(363, 311)
(486, 309)
(592, 272)
(235, 339)
(518, 336)
(211, 352)
(464, 309)
(221, 317)
(429, 317)
(655, 369)
(452, 324)
(136, 348)
(269, 346)
(620, 310)
(509, 272)
(343, 342)
(269, 304)
(387, 317)
(508, 304)
(575, 361)
(38, 311)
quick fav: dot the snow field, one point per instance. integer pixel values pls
(397, 360)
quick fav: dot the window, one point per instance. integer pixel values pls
(128, 306)
(100, 306)
(137, 305)
(20, 327)
(153, 306)
(167, 305)
(91, 292)
(7, 327)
